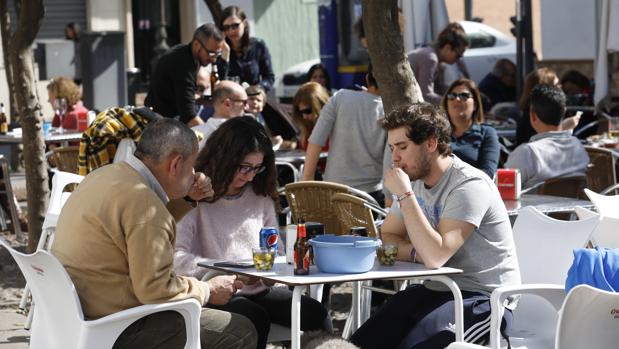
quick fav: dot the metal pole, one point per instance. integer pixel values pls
(519, 60)
(468, 10)
(161, 36)
(528, 37)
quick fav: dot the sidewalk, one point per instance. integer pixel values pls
(12, 333)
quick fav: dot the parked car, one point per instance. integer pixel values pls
(487, 46)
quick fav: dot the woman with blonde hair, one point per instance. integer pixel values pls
(307, 104)
(63, 88)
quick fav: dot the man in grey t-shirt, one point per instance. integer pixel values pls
(451, 214)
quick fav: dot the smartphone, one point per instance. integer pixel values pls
(234, 264)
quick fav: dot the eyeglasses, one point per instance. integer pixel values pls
(463, 96)
(306, 111)
(245, 169)
(233, 26)
(211, 54)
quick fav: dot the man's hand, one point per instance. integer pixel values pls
(223, 288)
(201, 187)
(397, 181)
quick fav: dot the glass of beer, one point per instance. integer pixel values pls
(263, 258)
(387, 254)
(613, 127)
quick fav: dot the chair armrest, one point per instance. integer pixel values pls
(555, 294)
(108, 328)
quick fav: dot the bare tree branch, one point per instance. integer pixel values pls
(392, 70)
(216, 10)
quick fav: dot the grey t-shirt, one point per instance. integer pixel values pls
(358, 152)
(488, 256)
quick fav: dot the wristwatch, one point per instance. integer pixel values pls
(191, 201)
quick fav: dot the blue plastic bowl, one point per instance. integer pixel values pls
(344, 254)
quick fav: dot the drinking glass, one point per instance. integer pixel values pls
(60, 109)
(613, 127)
(263, 258)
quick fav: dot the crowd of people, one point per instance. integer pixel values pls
(201, 185)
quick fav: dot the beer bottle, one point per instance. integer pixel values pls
(301, 251)
(214, 77)
(4, 122)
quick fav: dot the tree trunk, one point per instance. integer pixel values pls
(216, 10)
(5, 31)
(30, 17)
(393, 73)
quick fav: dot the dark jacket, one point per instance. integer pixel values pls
(478, 147)
(253, 67)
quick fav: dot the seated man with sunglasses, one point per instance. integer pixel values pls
(229, 101)
(173, 82)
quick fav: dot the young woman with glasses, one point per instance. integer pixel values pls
(473, 142)
(250, 60)
(240, 161)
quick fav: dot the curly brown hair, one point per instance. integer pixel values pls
(422, 120)
(226, 148)
(65, 88)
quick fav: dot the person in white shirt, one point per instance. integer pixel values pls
(551, 153)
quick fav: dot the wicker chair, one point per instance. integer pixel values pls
(311, 200)
(567, 187)
(66, 158)
(354, 211)
(601, 173)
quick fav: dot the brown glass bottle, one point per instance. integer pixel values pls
(4, 122)
(214, 77)
(301, 251)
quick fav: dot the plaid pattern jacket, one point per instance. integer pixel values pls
(99, 141)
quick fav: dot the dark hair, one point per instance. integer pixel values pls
(358, 28)
(423, 121)
(371, 79)
(236, 11)
(548, 103)
(577, 78)
(207, 31)
(164, 137)
(226, 148)
(478, 113)
(454, 35)
(502, 68)
(319, 66)
(75, 27)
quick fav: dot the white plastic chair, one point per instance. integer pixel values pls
(606, 234)
(59, 321)
(544, 247)
(56, 201)
(606, 205)
(586, 320)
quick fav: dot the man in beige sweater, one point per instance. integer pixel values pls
(116, 239)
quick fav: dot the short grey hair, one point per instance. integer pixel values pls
(206, 31)
(221, 92)
(165, 137)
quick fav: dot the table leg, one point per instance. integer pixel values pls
(295, 318)
(458, 303)
(356, 305)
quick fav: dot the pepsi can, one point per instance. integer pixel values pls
(269, 237)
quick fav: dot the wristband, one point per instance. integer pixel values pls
(405, 195)
(191, 201)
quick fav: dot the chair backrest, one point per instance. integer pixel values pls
(568, 187)
(544, 247)
(589, 318)
(606, 234)
(352, 212)
(601, 172)
(66, 158)
(58, 197)
(606, 205)
(58, 314)
(311, 200)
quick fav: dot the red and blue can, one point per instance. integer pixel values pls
(269, 237)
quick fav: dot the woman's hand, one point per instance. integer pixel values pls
(201, 187)
(225, 50)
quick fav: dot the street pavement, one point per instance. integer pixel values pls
(12, 333)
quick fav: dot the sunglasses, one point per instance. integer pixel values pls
(233, 26)
(306, 111)
(463, 96)
(211, 54)
(245, 169)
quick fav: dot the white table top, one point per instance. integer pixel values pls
(283, 273)
(67, 136)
